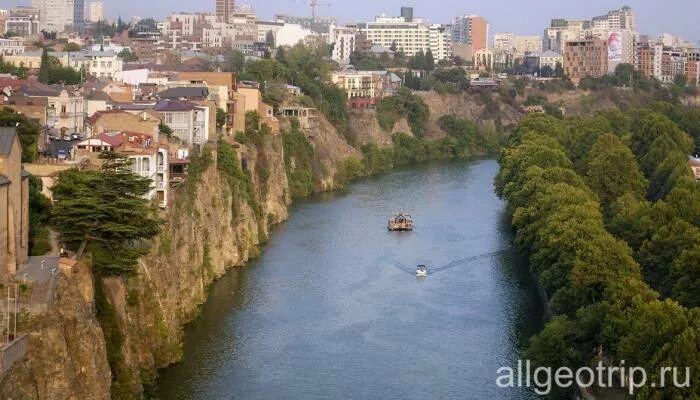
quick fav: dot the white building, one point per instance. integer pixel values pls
(189, 122)
(407, 36)
(101, 64)
(96, 11)
(291, 34)
(10, 47)
(518, 45)
(56, 15)
(343, 39)
(440, 41)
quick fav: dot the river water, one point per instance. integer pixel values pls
(333, 310)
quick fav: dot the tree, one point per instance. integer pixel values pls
(546, 71)
(235, 61)
(220, 118)
(613, 171)
(71, 47)
(39, 215)
(127, 55)
(429, 60)
(393, 46)
(43, 76)
(165, 129)
(270, 39)
(27, 130)
(105, 212)
(559, 71)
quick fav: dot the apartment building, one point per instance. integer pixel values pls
(471, 30)
(101, 64)
(14, 205)
(517, 45)
(189, 122)
(344, 39)
(584, 58)
(364, 88)
(616, 20)
(655, 60)
(224, 9)
(410, 37)
(56, 15)
(66, 109)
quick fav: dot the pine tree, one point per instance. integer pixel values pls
(105, 213)
(44, 75)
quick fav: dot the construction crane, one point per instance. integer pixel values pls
(313, 4)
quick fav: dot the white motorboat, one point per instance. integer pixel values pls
(422, 270)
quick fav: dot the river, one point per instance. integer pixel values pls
(333, 310)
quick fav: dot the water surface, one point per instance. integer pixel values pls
(332, 310)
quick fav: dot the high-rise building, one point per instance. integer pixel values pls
(617, 20)
(471, 30)
(56, 15)
(23, 21)
(224, 9)
(585, 58)
(96, 11)
(407, 13)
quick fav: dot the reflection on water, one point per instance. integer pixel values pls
(325, 313)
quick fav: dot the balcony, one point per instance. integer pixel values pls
(160, 168)
(160, 185)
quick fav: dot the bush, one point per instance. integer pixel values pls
(404, 104)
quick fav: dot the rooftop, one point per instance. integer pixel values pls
(184, 92)
(7, 138)
(174, 105)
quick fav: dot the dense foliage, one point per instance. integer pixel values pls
(105, 213)
(52, 72)
(27, 131)
(39, 214)
(404, 105)
(298, 161)
(608, 215)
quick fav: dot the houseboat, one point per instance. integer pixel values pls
(401, 222)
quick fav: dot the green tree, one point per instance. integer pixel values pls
(44, 74)
(39, 214)
(27, 130)
(105, 212)
(613, 171)
(127, 55)
(72, 47)
(220, 118)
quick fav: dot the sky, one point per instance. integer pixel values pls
(679, 17)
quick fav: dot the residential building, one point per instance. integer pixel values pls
(148, 156)
(66, 108)
(14, 205)
(561, 31)
(111, 121)
(188, 121)
(410, 37)
(101, 64)
(224, 9)
(616, 20)
(517, 45)
(471, 30)
(96, 11)
(484, 60)
(440, 43)
(584, 58)
(364, 88)
(56, 15)
(534, 62)
(343, 39)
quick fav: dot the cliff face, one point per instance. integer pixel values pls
(66, 356)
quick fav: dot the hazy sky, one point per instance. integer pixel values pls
(680, 17)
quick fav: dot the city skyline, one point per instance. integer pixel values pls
(653, 17)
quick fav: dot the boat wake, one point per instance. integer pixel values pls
(455, 263)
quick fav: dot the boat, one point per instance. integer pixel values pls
(421, 270)
(401, 222)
